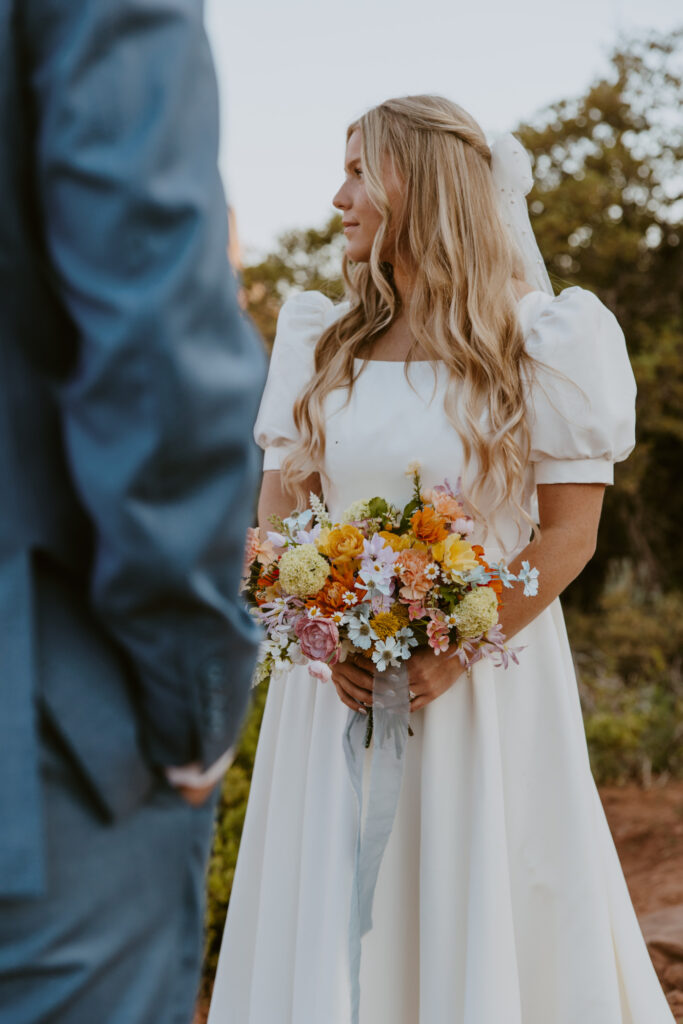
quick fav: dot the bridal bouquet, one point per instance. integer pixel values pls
(382, 582)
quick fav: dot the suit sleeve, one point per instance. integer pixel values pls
(159, 410)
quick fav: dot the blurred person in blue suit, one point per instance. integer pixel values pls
(129, 385)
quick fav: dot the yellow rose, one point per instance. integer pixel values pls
(455, 555)
(321, 539)
(342, 543)
(394, 540)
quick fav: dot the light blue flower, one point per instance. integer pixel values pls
(506, 577)
(478, 576)
(298, 520)
(529, 577)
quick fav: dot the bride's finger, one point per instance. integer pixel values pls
(360, 670)
(345, 699)
(358, 694)
(361, 680)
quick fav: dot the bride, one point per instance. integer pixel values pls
(500, 898)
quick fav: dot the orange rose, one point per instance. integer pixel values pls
(343, 543)
(330, 599)
(428, 526)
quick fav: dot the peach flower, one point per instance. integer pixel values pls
(445, 504)
(410, 566)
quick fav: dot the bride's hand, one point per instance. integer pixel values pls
(353, 682)
(430, 675)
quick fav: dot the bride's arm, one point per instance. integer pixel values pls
(569, 515)
(274, 500)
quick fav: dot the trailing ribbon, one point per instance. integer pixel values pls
(391, 713)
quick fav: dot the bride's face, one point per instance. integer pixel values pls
(360, 218)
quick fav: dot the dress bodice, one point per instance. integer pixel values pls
(581, 415)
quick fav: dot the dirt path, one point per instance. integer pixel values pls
(647, 826)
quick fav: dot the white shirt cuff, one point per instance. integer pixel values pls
(192, 776)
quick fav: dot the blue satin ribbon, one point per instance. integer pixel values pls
(391, 714)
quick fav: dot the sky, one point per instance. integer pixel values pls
(293, 73)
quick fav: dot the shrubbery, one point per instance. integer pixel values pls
(628, 658)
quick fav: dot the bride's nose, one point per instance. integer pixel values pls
(340, 200)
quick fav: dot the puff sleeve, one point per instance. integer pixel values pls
(583, 394)
(302, 319)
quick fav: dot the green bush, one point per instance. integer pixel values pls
(628, 660)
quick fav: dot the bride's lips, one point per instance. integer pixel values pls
(351, 224)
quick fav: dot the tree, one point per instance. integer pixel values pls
(606, 208)
(303, 260)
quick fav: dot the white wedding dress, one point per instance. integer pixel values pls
(501, 899)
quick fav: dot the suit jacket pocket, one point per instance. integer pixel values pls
(88, 690)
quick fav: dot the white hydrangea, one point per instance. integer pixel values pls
(356, 510)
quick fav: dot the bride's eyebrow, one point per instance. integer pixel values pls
(352, 163)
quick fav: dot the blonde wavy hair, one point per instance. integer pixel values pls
(449, 234)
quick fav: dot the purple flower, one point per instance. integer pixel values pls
(279, 611)
(307, 536)
(377, 550)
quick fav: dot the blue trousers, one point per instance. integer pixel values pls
(118, 937)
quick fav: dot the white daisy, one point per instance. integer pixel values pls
(361, 633)
(387, 652)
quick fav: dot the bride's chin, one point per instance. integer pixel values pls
(359, 254)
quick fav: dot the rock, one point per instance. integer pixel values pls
(663, 932)
(676, 1003)
(672, 975)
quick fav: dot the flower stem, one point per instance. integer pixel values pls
(368, 730)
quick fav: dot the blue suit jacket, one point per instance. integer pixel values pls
(129, 384)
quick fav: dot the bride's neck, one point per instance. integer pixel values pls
(403, 282)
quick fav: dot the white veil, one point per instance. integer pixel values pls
(513, 178)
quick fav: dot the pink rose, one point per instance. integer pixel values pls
(319, 670)
(318, 637)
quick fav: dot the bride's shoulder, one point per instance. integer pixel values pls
(550, 319)
(574, 332)
(304, 316)
(583, 393)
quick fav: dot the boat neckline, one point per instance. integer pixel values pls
(404, 362)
